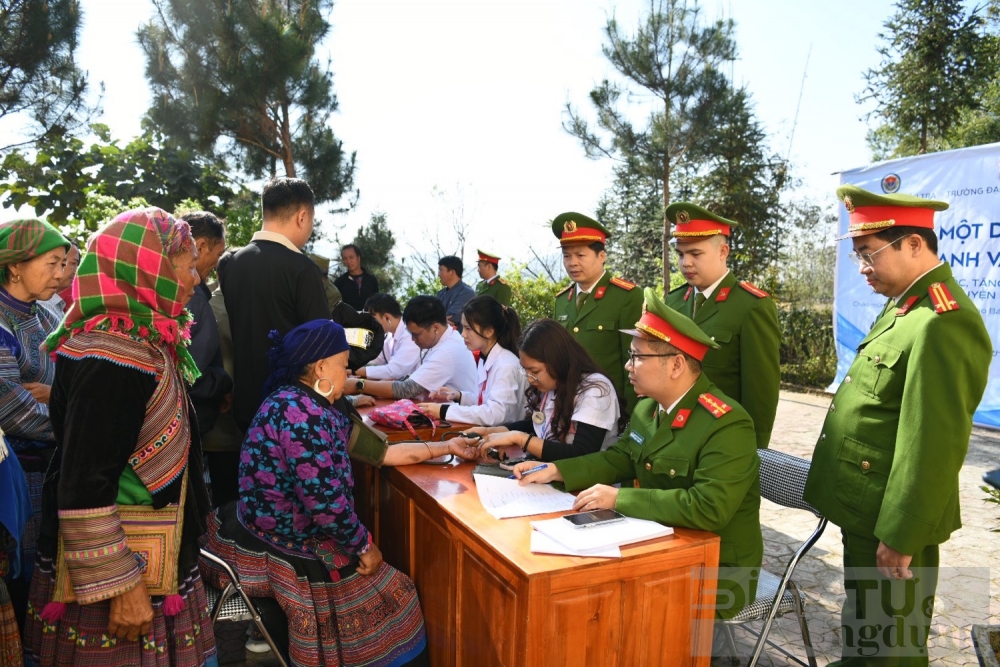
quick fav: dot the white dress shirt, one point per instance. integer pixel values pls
(448, 364)
(597, 405)
(404, 357)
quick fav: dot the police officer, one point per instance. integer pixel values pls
(738, 316)
(690, 447)
(596, 305)
(886, 465)
(492, 284)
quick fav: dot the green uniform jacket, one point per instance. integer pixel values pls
(611, 306)
(746, 366)
(897, 433)
(498, 289)
(697, 470)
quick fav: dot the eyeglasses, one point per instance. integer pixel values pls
(867, 258)
(417, 335)
(632, 355)
(533, 378)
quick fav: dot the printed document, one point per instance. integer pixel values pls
(505, 498)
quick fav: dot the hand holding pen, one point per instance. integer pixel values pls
(531, 472)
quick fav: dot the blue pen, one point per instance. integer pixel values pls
(528, 472)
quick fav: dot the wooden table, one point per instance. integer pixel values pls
(487, 600)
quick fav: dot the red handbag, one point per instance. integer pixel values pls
(402, 414)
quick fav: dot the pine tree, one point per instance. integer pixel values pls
(677, 60)
(241, 79)
(937, 59)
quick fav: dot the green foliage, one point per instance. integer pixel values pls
(532, 297)
(992, 496)
(37, 69)
(377, 244)
(62, 178)
(937, 60)
(808, 354)
(810, 257)
(240, 79)
(632, 209)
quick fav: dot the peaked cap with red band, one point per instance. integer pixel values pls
(576, 228)
(871, 213)
(692, 221)
(660, 322)
(490, 257)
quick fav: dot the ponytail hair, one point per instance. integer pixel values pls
(484, 312)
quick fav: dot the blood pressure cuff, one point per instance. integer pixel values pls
(365, 444)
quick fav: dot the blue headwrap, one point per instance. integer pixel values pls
(302, 345)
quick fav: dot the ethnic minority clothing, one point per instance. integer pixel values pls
(11, 654)
(81, 638)
(127, 284)
(356, 620)
(23, 329)
(24, 239)
(105, 407)
(296, 482)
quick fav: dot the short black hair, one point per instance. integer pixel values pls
(351, 246)
(453, 263)
(895, 233)
(205, 225)
(424, 311)
(383, 304)
(284, 196)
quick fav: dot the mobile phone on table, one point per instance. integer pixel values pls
(594, 518)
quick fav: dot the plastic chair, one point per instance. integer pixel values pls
(782, 481)
(233, 604)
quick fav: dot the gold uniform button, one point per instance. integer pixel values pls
(878, 358)
(672, 472)
(865, 465)
(649, 466)
(713, 337)
(576, 329)
(822, 436)
(847, 380)
(832, 407)
(600, 327)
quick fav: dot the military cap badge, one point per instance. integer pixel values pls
(570, 226)
(683, 217)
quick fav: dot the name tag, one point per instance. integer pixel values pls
(638, 439)
(563, 318)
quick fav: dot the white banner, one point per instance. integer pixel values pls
(968, 239)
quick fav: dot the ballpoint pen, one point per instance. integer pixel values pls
(528, 472)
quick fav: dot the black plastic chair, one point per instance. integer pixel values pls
(782, 481)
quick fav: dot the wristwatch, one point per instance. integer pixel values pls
(360, 385)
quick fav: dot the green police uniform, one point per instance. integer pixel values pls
(497, 288)
(887, 461)
(742, 319)
(613, 304)
(696, 467)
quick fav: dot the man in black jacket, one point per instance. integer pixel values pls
(356, 285)
(268, 285)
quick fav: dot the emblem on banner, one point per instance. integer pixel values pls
(891, 183)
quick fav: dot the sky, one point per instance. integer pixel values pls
(459, 104)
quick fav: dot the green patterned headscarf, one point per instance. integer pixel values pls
(23, 239)
(127, 284)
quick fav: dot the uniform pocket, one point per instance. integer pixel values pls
(877, 368)
(602, 325)
(862, 476)
(721, 336)
(672, 468)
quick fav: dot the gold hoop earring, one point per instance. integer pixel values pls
(316, 387)
(15, 279)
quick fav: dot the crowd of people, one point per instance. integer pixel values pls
(125, 379)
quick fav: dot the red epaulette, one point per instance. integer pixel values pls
(713, 405)
(568, 287)
(753, 289)
(687, 294)
(624, 284)
(905, 308)
(941, 298)
(681, 419)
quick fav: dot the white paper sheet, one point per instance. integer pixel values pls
(592, 538)
(505, 498)
(540, 544)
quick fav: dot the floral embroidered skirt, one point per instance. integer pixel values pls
(359, 620)
(81, 637)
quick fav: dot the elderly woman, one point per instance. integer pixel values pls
(123, 425)
(32, 260)
(327, 597)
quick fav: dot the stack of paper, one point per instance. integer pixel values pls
(505, 498)
(561, 537)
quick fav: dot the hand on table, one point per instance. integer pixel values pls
(891, 563)
(363, 401)
(464, 448)
(433, 409)
(131, 613)
(597, 497)
(445, 395)
(501, 440)
(369, 562)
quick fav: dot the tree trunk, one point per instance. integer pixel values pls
(286, 143)
(666, 225)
